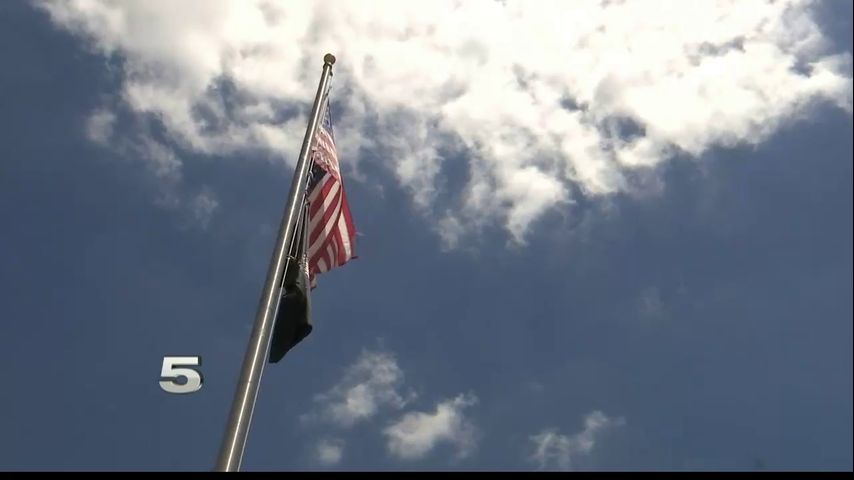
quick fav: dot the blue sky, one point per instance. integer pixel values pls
(697, 319)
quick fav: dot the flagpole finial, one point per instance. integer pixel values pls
(329, 59)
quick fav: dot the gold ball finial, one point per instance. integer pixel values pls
(329, 59)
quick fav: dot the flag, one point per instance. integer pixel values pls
(293, 314)
(326, 240)
(332, 235)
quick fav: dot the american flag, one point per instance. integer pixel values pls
(331, 233)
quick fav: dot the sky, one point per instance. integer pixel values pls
(592, 235)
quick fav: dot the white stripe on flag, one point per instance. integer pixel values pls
(344, 236)
(327, 228)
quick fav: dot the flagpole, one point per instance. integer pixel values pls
(237, 429)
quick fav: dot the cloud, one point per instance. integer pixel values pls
(553, 450)
(204, 205)
(650, 305)
(373, 383)
(99, 126)
(416, 434)
(329, 451)
(196, 209)
(374, 386)
(162, 160)
(536, 112)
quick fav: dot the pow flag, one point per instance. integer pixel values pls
(326, 236)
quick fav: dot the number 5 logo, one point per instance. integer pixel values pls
(175, 368)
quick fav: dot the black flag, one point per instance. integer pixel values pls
(293, 316)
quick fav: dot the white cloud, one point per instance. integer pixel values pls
(204, 205)
(99, 126)
(416, 434)
(368, 386)
(553, 450)
(650, 305)
(195, 209)
(329, 451)
(373, 386)
(533, 105)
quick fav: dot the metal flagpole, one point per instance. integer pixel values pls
(231, 451)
